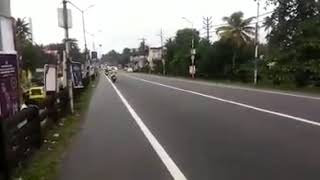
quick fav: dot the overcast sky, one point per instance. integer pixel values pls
(121, 23)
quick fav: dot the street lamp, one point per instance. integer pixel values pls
(193, 51)
(82, 11)
(93, 35)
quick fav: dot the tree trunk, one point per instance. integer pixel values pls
(234, 57)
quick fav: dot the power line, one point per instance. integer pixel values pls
(266, 13)
(261, 15)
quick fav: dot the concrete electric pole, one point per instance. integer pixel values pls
(256, 53)
(162, 54)
(83, 11)
(67, 55)
(193, 50)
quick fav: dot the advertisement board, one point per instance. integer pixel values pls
(192, 69)
(9, 85)
(77, 75)
(6, 35)
(50, 78)
(61, 20)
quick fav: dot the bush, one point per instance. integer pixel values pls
(302, 78)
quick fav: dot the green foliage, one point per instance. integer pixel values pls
(212, 60)
(75, 52)
(294, 40)
(238, 32)
(112, 58)
(178, 55)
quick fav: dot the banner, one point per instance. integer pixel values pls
(77, 75)
(6, 35)
(9, 85)
(61, 22)
(50, 78)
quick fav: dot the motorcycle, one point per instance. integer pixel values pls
(113, 77)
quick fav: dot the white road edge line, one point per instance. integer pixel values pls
(233, 102)
(246, 89)
(164, 156)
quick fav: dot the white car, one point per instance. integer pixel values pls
(129, 70)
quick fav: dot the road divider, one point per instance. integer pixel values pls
(164, 156)
(307, 121)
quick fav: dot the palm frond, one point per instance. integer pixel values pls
(224, 28)
(247, 21)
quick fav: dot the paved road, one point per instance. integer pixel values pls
(150, 127)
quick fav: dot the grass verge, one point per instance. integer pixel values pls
(44, 165)
(291, 88)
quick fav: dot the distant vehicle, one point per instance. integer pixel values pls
(114, 68)
(106, 72)
(37, 95)
(129, 70)
(113, 77)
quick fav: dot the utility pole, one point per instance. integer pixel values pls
(143, 40)
(84, 38)
(67, 55)
(193, 50)
(162, 54)
(31, 30)
(207, 25)
(82, 11)
(256, 54)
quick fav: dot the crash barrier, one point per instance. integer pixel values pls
(22, 134)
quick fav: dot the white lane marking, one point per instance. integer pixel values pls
(232, 102)
(246, 89)
(164, 156)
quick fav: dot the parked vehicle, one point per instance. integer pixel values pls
(36, 95)
(129, 70)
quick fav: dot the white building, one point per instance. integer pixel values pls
(139, 61)
(155, 55)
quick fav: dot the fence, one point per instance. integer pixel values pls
(22, 134)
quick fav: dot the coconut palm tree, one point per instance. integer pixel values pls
(238, 31)
(22, 30)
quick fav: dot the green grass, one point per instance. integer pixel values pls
(45, 163)
(288, 87)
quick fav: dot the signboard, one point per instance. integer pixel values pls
(77, 75)
(192, 69)
(50, 78)
(193, 52)
(9, 86)
(94, 55)
(6, 35)
(61, 19)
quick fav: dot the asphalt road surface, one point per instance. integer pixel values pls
(147, 127)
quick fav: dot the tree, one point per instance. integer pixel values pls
(238, 32)
(125, 56)
(22, 30)
(178, 51)
(294, 39)
(75, 52)
(112, 58)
